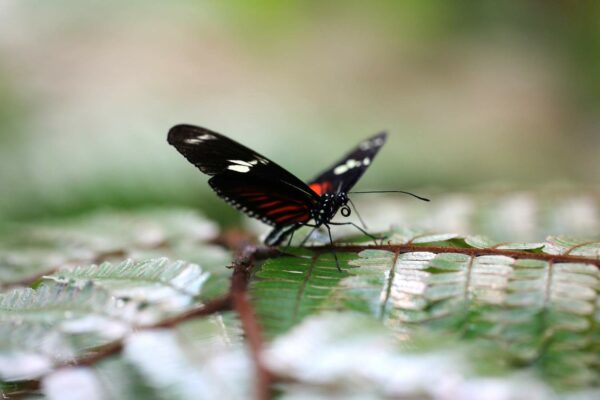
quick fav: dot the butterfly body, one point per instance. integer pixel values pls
(262, 189)
(329, 204)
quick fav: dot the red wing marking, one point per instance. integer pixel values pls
(257, 198)
(269, 204)
(282, 210)
(320, 187)
(296, 217)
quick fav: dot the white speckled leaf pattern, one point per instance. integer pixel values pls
(531, 308)
(527, 309)
(85, 307)
(515, 305)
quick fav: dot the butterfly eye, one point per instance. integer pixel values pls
(346, 211)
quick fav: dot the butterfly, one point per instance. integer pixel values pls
(264, 190)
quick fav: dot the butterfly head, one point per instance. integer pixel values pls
(329, 205)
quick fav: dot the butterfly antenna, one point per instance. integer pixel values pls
(337, 262)
(362, 222)
(393, 191)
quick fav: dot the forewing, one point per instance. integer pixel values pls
(270, 202)
(216, 154)
(344, 174)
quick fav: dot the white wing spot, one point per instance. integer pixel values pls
(200, 138)
(340, 169)
(366, 145)
(352, 163)
(239, 168)
(241, 162)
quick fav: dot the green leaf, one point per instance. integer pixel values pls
(433, 238)
(213, 259)
(54, 324)
(40, 248)
(480, 317)
(569, 246)
(28, 263)
(345, 355)
(204, 358)
(111, 231)
(286, 289)
(81, 308)
(172, 285)
(479, 241)
(527, 309)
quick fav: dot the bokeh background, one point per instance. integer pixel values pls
(473, 93)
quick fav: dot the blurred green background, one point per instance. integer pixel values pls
(472, 93)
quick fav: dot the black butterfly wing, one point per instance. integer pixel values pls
(269, 201)
(344, 174)
(247, 180)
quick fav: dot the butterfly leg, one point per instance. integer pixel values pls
(289, 231)
(278, 234)
(289, 243)
(293, 230)
(303, 242)
(357, 227)
(337, 263)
